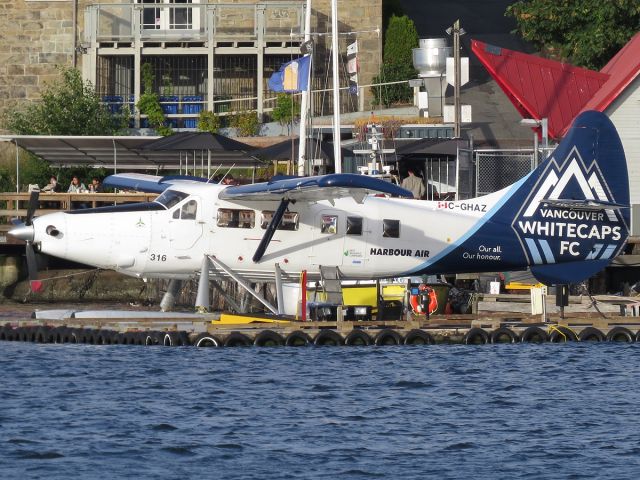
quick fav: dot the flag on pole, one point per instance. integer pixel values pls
(292, 76)
(353, 67)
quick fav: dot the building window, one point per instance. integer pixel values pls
(329, 224)
(390, 228)
(289, 220)
(354, 226)
(234, 218)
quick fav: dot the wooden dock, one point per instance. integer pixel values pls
(230, 330)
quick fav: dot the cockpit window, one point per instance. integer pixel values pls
(187, 211)
(169, 198)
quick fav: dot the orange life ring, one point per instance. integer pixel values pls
(416, 305)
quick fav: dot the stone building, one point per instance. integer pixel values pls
(217, 56)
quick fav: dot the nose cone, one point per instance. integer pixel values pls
(23, 232)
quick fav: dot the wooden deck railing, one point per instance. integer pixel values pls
(16, 203)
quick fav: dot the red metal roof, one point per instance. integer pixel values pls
(622, 69)
(539, 87)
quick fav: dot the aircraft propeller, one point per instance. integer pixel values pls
(25, 231)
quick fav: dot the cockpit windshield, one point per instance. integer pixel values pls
(169, 198)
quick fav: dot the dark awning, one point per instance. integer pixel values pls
(431, 146)
(121, 153)
(189, 141)
(288, 150)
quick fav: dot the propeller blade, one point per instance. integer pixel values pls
(32, 265)
(31, 208)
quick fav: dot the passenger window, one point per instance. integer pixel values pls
(391, 228)
(176, 214)
(189, 210)
(329, 224)
(354, 226)
(290, 220)
(232, 218)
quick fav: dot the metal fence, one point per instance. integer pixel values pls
(497, 169)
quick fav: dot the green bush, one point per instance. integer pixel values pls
(286, 111)
(149, 103)
(208, 122)
(69, 106)
(401, 38)
(247, 123)
(390, 94)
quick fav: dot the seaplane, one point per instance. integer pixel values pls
(566, 220)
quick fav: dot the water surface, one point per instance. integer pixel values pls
(449, 411)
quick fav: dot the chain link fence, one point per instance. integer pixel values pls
(497, 169)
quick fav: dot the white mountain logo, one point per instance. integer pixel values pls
(549, 233)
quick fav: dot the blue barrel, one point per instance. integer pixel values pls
(169, 104)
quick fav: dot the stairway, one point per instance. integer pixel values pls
(331, 284)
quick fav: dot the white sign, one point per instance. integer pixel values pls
(449, 113)
(464, 71)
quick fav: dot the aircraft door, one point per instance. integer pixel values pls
(328, 238)
(185, 225)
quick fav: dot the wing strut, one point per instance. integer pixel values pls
(243, 283)
(271, 229)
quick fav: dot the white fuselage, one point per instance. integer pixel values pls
(380, 237)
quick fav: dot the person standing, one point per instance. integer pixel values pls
(413, 184)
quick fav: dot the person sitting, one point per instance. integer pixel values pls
(77, 186)
(53, 186)
(95, 186)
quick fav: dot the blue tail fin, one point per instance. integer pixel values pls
(584, 224)
(567, 219)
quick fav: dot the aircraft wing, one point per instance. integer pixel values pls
(584, 204)
(324, 187)
(141, 182)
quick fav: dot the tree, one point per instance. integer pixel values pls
(401, 38)
(69, 106)
(149, 103)
(585, 32)
(286, 110)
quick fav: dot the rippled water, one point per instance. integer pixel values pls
(450, 411)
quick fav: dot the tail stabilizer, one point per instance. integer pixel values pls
(566, 220)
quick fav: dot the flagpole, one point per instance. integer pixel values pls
(336, 87)
(304, 102)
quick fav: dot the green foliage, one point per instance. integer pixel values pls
(286, 111)
(400, 38)
(247, 123)
(34, 170)
(398, 93)
(69, 106)
(7, 180)
(585, 32)
(208, 122)
(149, 103)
